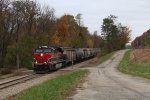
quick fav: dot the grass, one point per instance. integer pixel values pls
(136, 69)
(55, 89)
(104, 58)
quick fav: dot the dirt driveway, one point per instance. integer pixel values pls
(105, 82)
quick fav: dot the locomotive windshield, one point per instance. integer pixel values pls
(47, 50)
(38, 51)
(43, 50)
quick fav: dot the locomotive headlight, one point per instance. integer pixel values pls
(41, 54)
(36, 62)
(44, 62)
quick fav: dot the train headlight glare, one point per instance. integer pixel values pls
(41, 54)
(36, 62)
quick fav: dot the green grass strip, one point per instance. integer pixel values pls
(55, 89)
(105, 58)
(136, 69)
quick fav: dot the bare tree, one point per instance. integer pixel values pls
(46, 21)
(18, 23)
(6, 28)
(30, 12)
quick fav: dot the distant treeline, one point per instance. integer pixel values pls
(25, 25)
(142, 41)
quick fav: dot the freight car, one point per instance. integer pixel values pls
(53, 58)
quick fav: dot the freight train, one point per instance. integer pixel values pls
(48, 59)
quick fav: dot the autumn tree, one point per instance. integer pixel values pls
(113, 34)
(68, 33)
(65, 32)
(97, 40)
(62, 32)
(80, 29)
(124, 35)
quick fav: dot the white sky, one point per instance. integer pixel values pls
(133, 13)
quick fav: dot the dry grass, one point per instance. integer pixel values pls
(140, 55)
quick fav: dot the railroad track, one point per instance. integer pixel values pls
(12, 82)
(15, 81)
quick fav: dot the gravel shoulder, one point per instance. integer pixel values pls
(105, 82)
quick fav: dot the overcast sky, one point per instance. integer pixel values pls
(133, 13)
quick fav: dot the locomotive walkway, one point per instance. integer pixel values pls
(105, 82)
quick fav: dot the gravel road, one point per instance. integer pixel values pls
(105, 82)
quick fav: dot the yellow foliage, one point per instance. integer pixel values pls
(90, 43)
